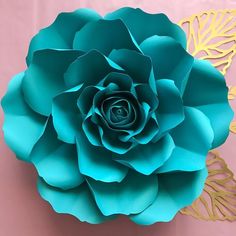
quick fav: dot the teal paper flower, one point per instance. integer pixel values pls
(116, 116)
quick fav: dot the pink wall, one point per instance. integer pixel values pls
(22, 211)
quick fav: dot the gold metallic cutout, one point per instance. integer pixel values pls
(218, 200)
(232, 96)
(212, 36)
(233, 127)
(232, 93)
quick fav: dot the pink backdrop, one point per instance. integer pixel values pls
(22, 211)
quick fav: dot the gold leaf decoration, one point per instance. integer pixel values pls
(231, 96)
(218, 200)
(232, 127)
(212, 36)
(232, 93)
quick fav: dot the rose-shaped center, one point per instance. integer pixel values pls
(118, 111)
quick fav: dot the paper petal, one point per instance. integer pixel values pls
(92, 132)
(170, 111)
(97, 163)
(55, 161)
(111, 141)
(44, 78)
(146, 95)
(78, 202)
(143, 25)
(135, 64)
(90, 69)
(132, 195)
(123, 80)
(193, 139)
(149, 132)
(61, 33)
(147, 158)
(171, 61)
(104, 35)
(213, 98)
(176, 190)
(67, 120)
(22, 127)
(85, 99)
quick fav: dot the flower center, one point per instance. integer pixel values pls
(119, 112)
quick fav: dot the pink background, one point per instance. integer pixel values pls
(22, 211)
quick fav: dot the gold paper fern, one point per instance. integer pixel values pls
(212, 36)
(218, 200)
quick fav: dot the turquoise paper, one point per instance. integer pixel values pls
(116, 116)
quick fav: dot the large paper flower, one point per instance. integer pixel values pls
(116, 116)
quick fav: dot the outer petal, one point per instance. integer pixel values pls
(104, 35)
(205, 80)
(170, 111)
(193, 139)
(44, 78)
(143, 25)
(67, 120)
(135, 193)
(61, 33)
(97, 163)
(90, 69)
(147, 158)
(78, 202)
(55, 161)
(22, 127)
(176, 190)
(169, 59)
